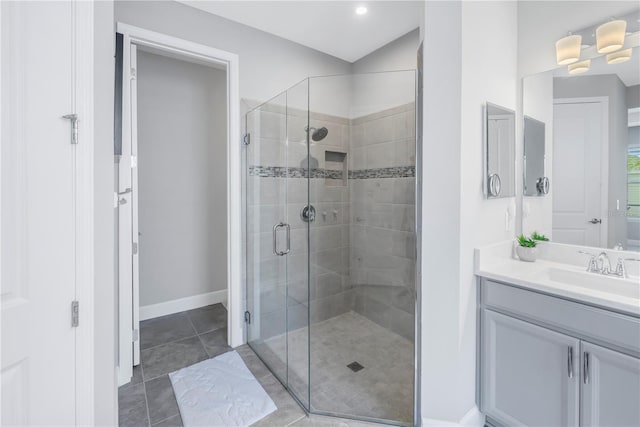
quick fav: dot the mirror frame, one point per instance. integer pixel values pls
(524, 157)
(485, 154)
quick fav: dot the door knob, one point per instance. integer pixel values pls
(596, 221)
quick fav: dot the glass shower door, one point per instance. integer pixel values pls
(277, 237)
(267, 233)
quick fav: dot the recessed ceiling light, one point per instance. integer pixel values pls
(361, 10)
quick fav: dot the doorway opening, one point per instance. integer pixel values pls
(176, 173)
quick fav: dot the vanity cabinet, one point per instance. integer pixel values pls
(528, 373)
(610, 388)
(538, 367)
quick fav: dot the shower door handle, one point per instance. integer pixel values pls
(287, 228)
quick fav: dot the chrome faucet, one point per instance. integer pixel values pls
(601, 264)
(592, 266)
(621, 269)
(604, 264)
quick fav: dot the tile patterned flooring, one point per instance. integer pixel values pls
(172, 342)
(383, 389)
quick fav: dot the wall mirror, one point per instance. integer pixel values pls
(588, 125)
(499, 143)
(536, 183)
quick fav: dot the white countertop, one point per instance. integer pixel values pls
(497, 262)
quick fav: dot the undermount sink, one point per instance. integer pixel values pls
(629, 288)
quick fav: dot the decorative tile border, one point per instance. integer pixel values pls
(295, 172)
(395, 172)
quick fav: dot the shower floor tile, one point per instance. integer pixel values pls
(382, 389)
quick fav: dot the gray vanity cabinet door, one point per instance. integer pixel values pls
(529, 374)
(610, 389)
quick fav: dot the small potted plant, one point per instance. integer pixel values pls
(526, 249)
(539, 237)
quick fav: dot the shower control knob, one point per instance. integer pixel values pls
(308, 213)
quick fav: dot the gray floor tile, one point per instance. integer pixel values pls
(170, 357)
(175, 421)
(215, 343)
(160, 399)
(165, 329)
(208, 318)
(283, 416)
(320, 421)
(132, 406)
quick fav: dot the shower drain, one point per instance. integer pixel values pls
(355, 366)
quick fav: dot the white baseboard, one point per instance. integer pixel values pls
(473, 418)
(177, 305)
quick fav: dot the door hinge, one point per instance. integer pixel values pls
(73, 118)
(247, 317)
(134, 162)
(133, 73)
(136, 335)
(134, 248)
(75, 314)
(246, 139)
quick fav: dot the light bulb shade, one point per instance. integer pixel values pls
(619, 56)
(568, 49)
(610, 36)
(579, 67)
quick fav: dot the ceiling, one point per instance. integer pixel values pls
(331, 27)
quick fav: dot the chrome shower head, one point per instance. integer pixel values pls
(318, 134)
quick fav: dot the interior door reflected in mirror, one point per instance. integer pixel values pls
(536, 182)
(592, 148)
(499, 142)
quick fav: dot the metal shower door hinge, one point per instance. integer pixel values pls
(247, 317)
(75, 314)
(136, 335)
(246, 140)
(133, 73)
(74, 126)
(134, 248)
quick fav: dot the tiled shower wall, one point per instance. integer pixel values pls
(382, 227)
(362, 240)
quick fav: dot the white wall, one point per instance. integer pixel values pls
(182, 145)
(400, 54)
(105, 308)
(456, 217)
(373, 91)
(440, 264)
(268, 64)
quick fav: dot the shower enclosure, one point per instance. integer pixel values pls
(331, 243)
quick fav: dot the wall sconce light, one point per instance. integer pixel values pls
(568, 49)
(579, 67)
(619, 56)
(610, 36)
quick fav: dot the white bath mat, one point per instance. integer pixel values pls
(220, 392)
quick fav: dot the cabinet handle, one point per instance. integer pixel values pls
(586, 367)
(570, 362)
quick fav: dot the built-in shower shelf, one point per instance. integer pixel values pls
(336, 161)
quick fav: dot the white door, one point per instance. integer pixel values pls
(579, 182)
(530, 375)
(129, 318)
(38, 205)
(610, 387)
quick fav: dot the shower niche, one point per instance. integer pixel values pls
(332, 301)
(336, 170)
